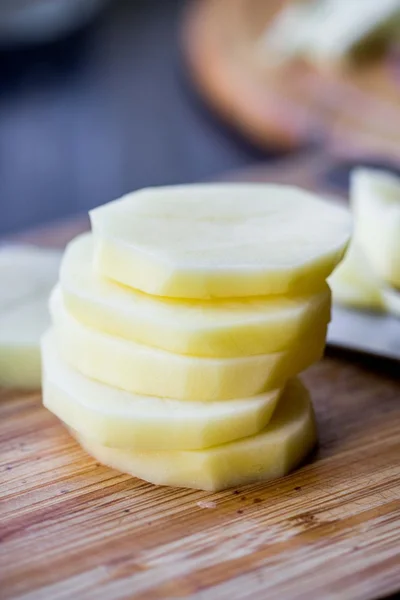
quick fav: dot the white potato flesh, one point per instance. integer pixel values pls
(121, 419)
(272, 453)
(391, 299)
(340, 27)
(285, 37)
(27, 276)
(145, 370)
(219, 328)
(354, 283)
(375, 199)
(220, 240)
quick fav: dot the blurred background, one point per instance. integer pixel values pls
(101, 107)
(100, 97)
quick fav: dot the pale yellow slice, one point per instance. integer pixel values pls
(123, 420)
(354, 283)
(339, 28)
(222, 327)
(327, 32)
(26, 272)
(145, 370)
(375, 199)
(220, 240)
(279, 448)
(391, 299)
(285, 37)
(27, 275)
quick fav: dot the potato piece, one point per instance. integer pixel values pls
(220, 240)
(272, 453)
(26, 272)
(120, 419)
(287, 34)
(218, 328)
(391, 299)
(144, 370)
(354, 283)
(27, 275)
(344, 29)
(375, 199)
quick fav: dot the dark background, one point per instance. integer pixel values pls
(108, 109)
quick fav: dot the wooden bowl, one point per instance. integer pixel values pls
(291, 104)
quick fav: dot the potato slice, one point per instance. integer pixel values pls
(287, 34)
(220, 240)
(328, 32)
(341, 29)
(26, 272)
(375, 199)
(222, 328)
(272, 453)
(391, 299)
(354, 283)
(27, 275)
(120, 419)
(145, 370)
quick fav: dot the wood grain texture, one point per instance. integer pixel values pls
(71, 528)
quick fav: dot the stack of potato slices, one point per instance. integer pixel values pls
(179, 327)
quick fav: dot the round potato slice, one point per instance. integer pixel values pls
(27, 276)
(120, 419)
(220, 240)
(272, 453)
(354, 283)
(219, 328)
(391, 299)
(145, 370)
(375, 198)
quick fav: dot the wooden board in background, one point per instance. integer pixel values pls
(287, 105)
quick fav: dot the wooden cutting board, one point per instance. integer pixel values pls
(71, 528)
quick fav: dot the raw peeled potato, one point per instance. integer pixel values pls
(342, 27)
(391, 300)
(375, 199)
(272, 453)
(119, 419)
(286, 35)
(145, 370)
(220, 240)
(353, 282)
(27, 276)
(327, 32)
(219, 328)
(26, 272)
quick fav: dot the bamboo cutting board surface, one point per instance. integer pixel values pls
(71, 528)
